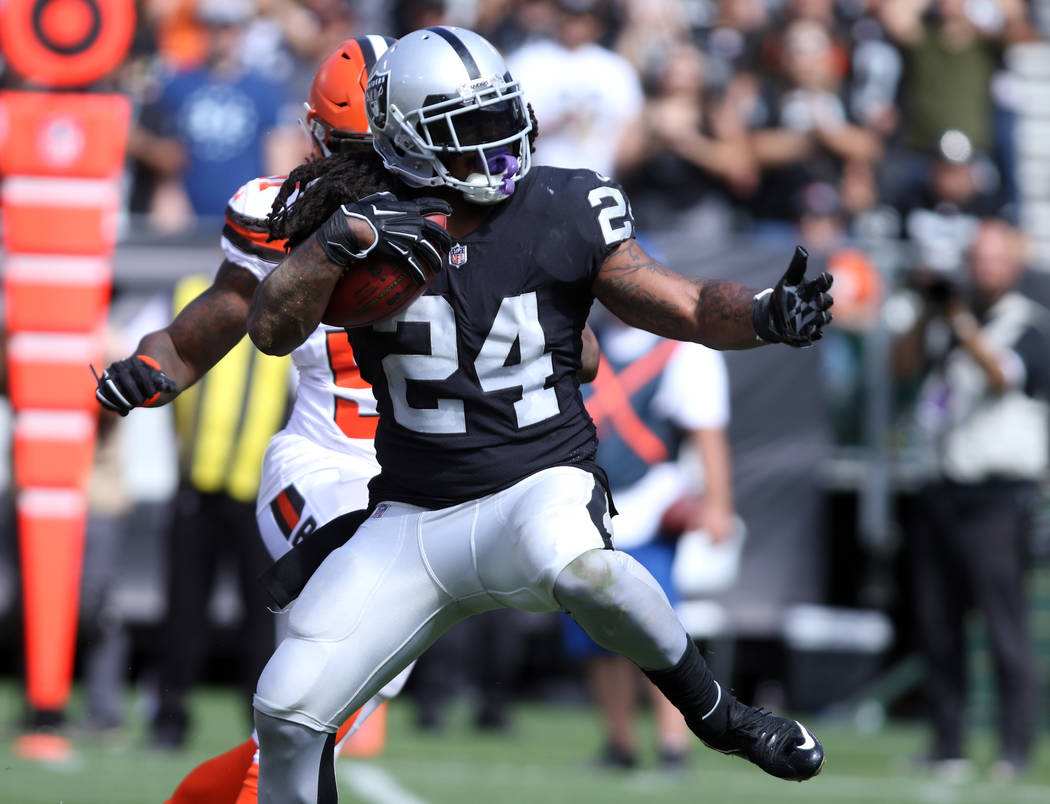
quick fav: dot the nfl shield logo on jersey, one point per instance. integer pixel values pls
(457, 255)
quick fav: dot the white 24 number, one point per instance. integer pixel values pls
(517, 320)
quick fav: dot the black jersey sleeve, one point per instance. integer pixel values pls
(594, 208)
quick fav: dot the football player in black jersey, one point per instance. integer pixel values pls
(488, 495)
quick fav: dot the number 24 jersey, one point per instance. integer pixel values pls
(476, 380)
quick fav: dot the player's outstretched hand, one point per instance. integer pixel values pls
(796, 310)
(131, 383)
(401, 228)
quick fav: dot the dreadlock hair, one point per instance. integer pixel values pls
(323, 185)
(330, 181)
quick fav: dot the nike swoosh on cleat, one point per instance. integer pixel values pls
(808, 742)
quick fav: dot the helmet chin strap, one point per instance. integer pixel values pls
(500, 163)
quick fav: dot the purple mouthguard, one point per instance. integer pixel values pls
(501, 160)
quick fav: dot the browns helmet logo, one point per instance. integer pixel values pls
(376, 99)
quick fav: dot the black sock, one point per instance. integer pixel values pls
(690, 686)
(327, 792)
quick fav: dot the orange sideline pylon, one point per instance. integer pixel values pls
(61, 156)
(51, 543)
(370, 739)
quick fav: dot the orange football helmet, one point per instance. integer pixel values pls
(335, 107)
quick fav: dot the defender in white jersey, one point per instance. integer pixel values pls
(317, 468)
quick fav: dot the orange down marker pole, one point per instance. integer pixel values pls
(61, 158)
(51, 542)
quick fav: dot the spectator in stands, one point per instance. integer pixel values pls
(509, 25)
(412, 15)
(676, 170)
(809, 135)
(732, 46)
(651, 398)
(212, 125)
(585, 95)
(648, 29)
(942, 215)
(980, 350)
(875, 69)
(952, 49)
(287, 39)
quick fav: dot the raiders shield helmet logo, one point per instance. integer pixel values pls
(457, 255)
(376, 96)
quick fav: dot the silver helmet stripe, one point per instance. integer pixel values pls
(465, 56)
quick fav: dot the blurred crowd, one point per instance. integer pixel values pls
(827, 121)
(741, 114)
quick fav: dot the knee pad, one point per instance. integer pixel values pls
(590, 580)
(604, 578)
(621, 607)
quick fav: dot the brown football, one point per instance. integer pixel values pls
(374, 289)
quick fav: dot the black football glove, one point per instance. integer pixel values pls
(401, 229)
(131, 383)
(795, 311)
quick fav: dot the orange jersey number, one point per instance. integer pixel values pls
(348, 415)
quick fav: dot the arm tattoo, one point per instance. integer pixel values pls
(629, 278)
(646, 294)
(726, 308)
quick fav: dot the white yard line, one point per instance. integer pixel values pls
(374, 784)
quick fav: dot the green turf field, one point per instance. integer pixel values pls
(545, 760)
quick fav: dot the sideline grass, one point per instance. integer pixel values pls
(545, 760)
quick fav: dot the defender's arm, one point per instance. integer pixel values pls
(170, 360)
(589, 356)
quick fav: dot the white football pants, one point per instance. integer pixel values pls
(317, 485)
(409, 573)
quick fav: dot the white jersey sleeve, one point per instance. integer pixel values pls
(245, 235)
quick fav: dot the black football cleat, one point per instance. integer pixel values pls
(778, 745)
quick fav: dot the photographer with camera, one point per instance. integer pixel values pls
(979, 351)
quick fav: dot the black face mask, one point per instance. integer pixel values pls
(478, 126)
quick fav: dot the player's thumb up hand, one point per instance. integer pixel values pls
(796, 310)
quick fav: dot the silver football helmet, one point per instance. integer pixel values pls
(445, 91)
